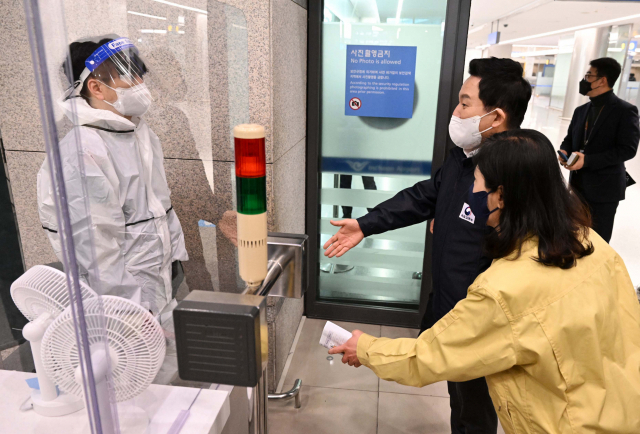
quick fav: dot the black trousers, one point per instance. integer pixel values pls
(602, 216)
(472, 410)
(177, 276)
(345, 182)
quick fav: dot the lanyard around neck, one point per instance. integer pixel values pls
(586, 128)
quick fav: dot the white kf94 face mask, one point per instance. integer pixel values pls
(131, 101)
(466, 133)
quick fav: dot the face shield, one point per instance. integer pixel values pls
(117, 65)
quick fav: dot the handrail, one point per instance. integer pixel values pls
(293, 393)
(275, 267)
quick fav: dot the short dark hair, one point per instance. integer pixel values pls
(502, 86)
(607, 67)
(79, 52)
(537, 202)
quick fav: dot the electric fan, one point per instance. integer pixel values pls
(41, 294)
(135, 346)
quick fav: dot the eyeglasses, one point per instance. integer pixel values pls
(587, 76)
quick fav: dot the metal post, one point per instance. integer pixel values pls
(264, 404)
(336, 184)
(253, 410)
(258, 423)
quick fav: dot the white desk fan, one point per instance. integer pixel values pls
(41, 294)
(136, 346)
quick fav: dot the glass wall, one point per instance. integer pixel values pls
(622, 48)
(372, 148)
(562, 71)
(130, 108)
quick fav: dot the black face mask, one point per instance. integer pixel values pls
(479, 204)
(585, 87)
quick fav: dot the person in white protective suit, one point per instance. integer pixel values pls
(136, 233)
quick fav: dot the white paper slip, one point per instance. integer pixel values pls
(333, 335)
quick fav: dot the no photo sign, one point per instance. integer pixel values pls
(380, 81)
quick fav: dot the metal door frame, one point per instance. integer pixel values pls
(451, 77)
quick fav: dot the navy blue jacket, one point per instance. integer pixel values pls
(613, 140)
(458, 236)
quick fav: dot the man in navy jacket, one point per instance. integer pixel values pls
(494, 99)
(603, 133)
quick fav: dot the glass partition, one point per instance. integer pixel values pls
(137, 102)
(386, 56)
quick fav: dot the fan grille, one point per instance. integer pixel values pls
(44, 289)
(133, 335)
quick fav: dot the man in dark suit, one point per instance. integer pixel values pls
(492, 100)
(603, 134)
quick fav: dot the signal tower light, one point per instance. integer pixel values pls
(251, 195)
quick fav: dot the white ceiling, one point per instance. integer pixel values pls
(542, 16)
(525, 19)
(485, 11)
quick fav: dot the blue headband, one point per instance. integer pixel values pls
(107, 50)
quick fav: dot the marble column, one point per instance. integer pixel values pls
(588, 44)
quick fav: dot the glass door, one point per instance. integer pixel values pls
(380, 86)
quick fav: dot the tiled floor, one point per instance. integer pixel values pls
(339, 399)
(17, 358)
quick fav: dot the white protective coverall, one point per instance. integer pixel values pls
(136, 232)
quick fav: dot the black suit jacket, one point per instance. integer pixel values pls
(614, 140)
(458, 255)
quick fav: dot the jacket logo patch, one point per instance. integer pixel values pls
(466, 214)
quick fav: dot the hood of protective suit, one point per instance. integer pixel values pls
(126, 212)
(81, 113)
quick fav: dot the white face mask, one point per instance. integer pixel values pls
(466, 133)
(131, 101)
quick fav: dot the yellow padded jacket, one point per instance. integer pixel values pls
(560, 349)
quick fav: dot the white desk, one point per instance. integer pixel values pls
(162, 404)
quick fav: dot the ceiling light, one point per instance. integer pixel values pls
(189, 8)
(535, 46)
(569, 29)
(146, 15)
(536, 53)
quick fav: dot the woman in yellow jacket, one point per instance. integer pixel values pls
(553, 324)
